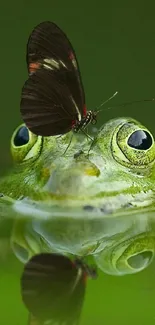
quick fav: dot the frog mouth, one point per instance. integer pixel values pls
(82, 209)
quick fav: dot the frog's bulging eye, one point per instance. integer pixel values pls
(133, 145)
(22, 137)
(25, 144)
(140, 140)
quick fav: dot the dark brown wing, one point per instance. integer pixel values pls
(53, 289)
(47, 105)
(49, 47)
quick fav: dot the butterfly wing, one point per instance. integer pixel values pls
(53, 289)
(50, 52)
(49, 44)
(47, 105)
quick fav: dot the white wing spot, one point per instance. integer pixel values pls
(78, 112)
(48, 67)
(63, 64)
(74, 63)
(53, 63)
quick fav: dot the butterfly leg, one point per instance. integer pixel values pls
(68, 144)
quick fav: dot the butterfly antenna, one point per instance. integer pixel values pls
(130, 103)
(97, 110)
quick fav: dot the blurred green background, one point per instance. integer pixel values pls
(115, 46)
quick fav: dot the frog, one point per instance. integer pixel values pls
(89, 197)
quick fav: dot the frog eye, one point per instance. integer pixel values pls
(22, 136)
(127, 256)
(140, 139)
(133, 144)
(25, 144)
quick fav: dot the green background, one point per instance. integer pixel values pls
(115, 45)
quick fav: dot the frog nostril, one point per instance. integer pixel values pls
(140, 260)
(88, 207)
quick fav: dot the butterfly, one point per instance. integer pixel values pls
(53, 98)
(53, 289)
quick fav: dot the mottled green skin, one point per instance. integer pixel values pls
(97, 199)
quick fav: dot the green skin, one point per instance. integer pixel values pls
(96, 200)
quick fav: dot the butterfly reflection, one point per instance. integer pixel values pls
(53, 289)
